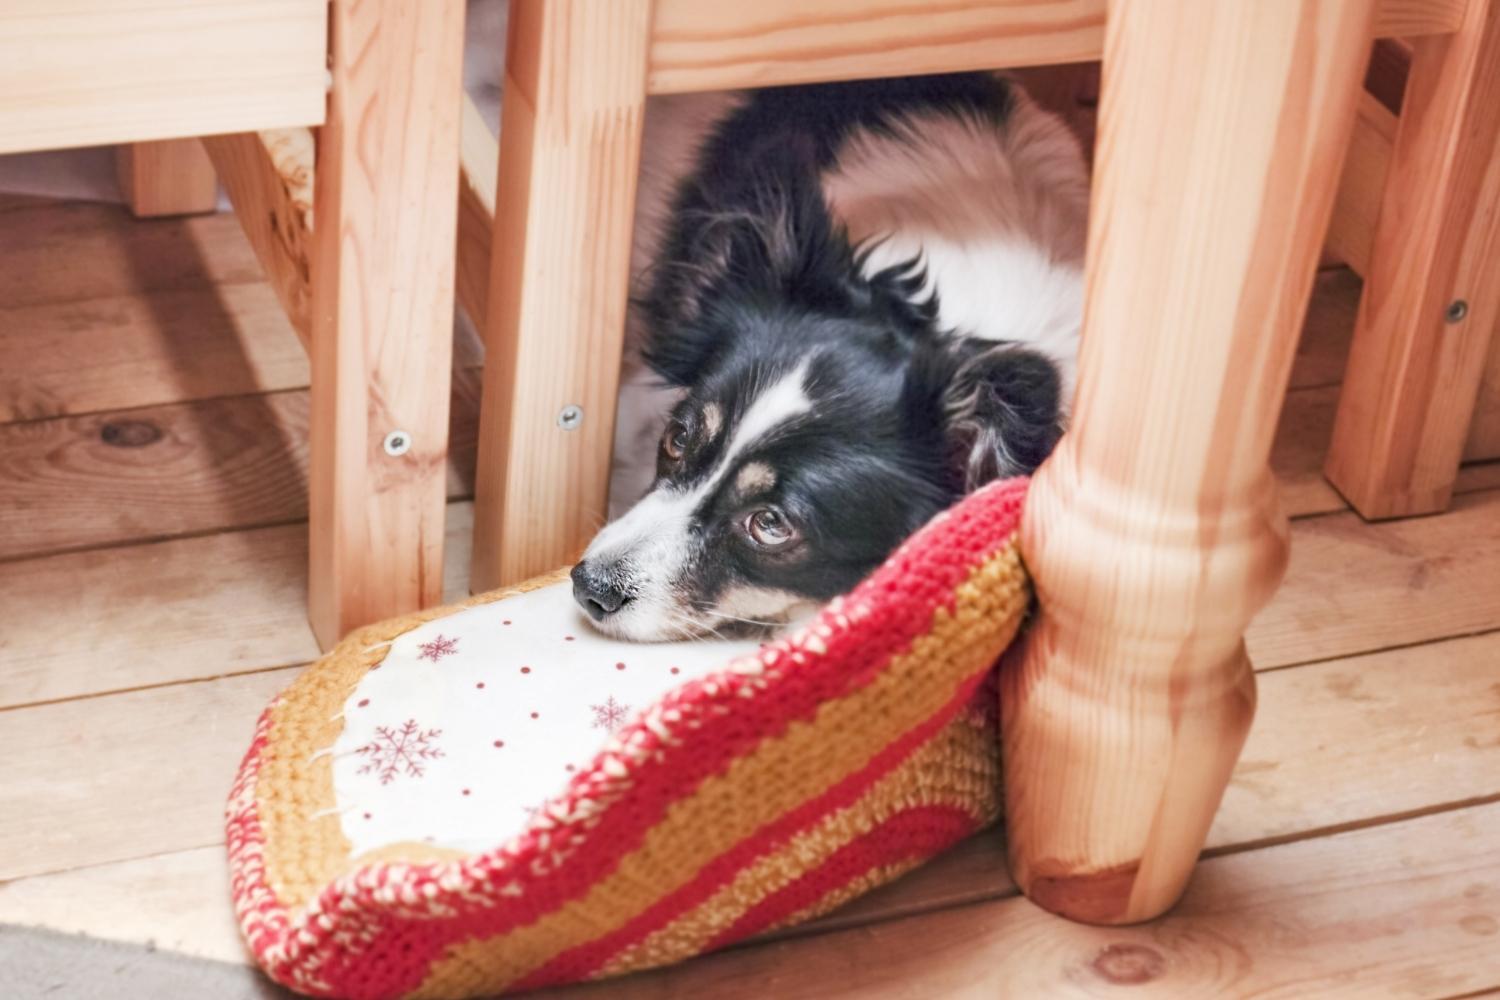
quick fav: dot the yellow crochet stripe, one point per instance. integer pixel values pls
(767, 782)
(958, 767)
(850, 891)
(305, 847)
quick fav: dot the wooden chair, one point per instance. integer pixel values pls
(1424, 192)
(1154, 533)
(362, 257)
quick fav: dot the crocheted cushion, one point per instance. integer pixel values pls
(427, 811)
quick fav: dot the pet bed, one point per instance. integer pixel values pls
(489, 797)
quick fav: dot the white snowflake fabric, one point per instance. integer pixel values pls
(393, 752)
(609, 716)
(436, 648)
(475, 720)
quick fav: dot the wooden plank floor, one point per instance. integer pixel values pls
(152, 580)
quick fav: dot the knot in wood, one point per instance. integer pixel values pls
(1129, 964)
(130, 433)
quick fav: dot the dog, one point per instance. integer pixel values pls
(862, 300)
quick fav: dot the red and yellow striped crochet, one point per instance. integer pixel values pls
(767, 793)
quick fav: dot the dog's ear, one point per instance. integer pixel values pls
(727, 251)
(778, 247)
(998, 405)
(773, 237)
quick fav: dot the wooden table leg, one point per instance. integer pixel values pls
(169, 177)
(1432, 288)
(574, 104)
(382, 310)
(1154, 533)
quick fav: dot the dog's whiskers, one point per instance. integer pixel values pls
(681, 630)
(698, 624)
(736, 618)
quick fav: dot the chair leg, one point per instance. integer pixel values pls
(574, 103)
(1484, 430)
(1432, 289)
(1154, 533)
(385, 211)
(168, 177)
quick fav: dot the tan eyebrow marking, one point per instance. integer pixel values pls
(754, 477)
(713, 420)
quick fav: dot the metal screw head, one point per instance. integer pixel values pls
(1457, 310)
(570, 418)
(397, 443)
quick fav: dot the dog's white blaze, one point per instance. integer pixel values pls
(655, 535)
(786, 400)
(999, 217)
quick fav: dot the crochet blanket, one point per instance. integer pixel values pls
(488, 798)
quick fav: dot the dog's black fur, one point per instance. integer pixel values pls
(756, 278)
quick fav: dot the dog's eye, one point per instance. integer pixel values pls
(674, 442)
(769, 528)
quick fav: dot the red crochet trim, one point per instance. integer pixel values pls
(585, 960)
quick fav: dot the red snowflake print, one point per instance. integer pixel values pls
(400, 751)
(609, 716)
(438, 648)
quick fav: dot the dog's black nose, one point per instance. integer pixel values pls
(597, 593)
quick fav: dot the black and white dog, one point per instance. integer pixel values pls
(865, 299)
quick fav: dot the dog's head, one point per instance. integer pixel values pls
(823, 420)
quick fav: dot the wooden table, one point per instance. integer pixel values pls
(368, 263)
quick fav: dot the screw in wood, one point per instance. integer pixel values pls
(570, 418)
(397, 443)
(1457, 310)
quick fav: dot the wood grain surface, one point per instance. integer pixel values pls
(698, 46)
(385, 224)
(1154, 533)
(269, 177)
(574, 106)
(95, 72)
(168, 471)
(167, 177)
(1418, 355)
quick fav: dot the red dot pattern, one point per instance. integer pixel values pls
(620, 665)
(527, 669)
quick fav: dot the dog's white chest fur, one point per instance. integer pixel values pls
(998, 216)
